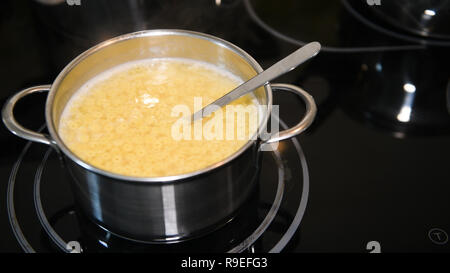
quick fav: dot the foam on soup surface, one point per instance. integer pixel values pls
(126, 119)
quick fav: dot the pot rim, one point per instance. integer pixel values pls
(56, 140)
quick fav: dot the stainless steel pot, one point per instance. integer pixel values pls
(159, 209)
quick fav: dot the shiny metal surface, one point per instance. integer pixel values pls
(307, 120)
(158, 209)
(283, 66)
(12, 124)
(169, 211)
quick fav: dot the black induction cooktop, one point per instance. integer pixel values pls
(370, 175)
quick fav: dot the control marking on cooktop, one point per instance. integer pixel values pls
(438, 236)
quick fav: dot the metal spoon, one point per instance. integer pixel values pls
(281, 67)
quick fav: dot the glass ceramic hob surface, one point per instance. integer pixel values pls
(375, 159)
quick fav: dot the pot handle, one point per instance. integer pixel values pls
(307, 120)
(12, 124)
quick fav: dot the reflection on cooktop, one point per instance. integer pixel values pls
(376, 151)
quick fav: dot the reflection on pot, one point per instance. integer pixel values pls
(95, 238)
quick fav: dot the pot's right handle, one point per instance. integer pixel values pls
(12, 124)
(307, 120)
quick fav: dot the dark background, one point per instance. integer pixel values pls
(373, 178)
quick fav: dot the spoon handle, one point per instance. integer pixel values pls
(281, 67)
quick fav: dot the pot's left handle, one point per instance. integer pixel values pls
(12, 124)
